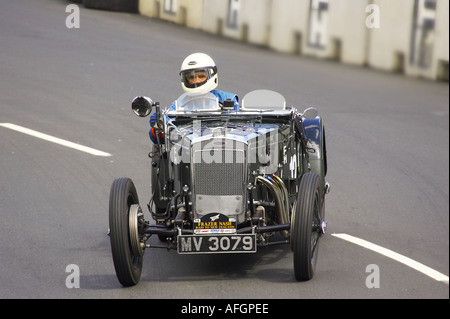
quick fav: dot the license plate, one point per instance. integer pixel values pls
(220, 244)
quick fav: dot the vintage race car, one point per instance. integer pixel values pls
(225, 181)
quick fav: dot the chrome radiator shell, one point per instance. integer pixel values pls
(219, 172)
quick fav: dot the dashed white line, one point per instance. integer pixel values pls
(55, 140)
(395, 256)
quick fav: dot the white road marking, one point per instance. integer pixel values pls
(395, 256)
(53, 139)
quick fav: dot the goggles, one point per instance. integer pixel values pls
(197, 77)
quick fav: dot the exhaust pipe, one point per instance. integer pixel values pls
(280, 194)
(285, 196)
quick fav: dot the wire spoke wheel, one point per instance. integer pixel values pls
(306, 228)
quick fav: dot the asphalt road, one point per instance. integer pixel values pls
(387, 139)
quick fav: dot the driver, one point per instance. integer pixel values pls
(198, 76)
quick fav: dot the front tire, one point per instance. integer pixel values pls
(128, 265)
(306, 229)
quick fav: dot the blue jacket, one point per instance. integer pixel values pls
(221, 95)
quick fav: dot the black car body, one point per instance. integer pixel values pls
(226, 181)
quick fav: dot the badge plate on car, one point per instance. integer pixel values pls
(214, 224)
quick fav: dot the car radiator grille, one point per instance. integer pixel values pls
(219, 172)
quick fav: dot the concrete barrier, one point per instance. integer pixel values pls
(113, 5)
(185, 12)
(409, 36)
(416, 43)
(245, 20)
(322, 29)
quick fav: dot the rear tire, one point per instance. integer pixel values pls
(306, 229)
(128, 265)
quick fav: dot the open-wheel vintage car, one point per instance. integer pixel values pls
(225, 181)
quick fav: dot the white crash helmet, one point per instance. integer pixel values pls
(194, 64)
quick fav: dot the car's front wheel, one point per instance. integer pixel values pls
(128, 264)
(306, 227)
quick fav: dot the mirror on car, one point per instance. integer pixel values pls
(142, 106)
(310, 113)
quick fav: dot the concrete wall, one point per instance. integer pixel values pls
(412, 38)
(441, 51)
(185, 12)
(322, 28)
(409, 36)
(245, 20)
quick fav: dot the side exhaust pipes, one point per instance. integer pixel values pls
(280, 194)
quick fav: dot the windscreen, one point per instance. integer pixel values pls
(205, 102)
